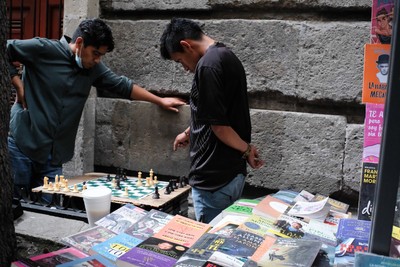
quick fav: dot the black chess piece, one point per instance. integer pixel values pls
(124, 177)
(174, 183)
(167, 190)
(156, 195)
(108, 177)
(171, 185)
(118, 181)
(181, 182)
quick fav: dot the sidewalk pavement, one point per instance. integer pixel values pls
(47, 226)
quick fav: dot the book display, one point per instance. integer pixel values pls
(333, 238)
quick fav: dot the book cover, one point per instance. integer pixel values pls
(152, 252)
(334, 217)
(367, 190)
(238, 209)
(199, 253)
(271, 207)
(241, 244)
(115, 247)
(365, 259)
(291, 252)
(304, 196)
(326, 233)
(336, 205)
(325, 256)
(286, 196)
(149, 224)
(376, 70)
(247, 202)
(289, 227)
(85, 240)
(222, 259)
(395, 243)
(381, 21)
(257, 224)
(91, 261)
(353, 228)
(225, 229)
(52, 259)
(373, 125)
(352, 235)
(317, 210)
(229, 221)
(182, 230)
(264, 246)
(119, 220)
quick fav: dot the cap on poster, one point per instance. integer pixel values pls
(384, 58)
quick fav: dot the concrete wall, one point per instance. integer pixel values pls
(304, 62)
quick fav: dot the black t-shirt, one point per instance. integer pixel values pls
(218, 97)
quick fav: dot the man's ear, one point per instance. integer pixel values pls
(79, 40)
(185, 44)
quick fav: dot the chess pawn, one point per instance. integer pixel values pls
(57, 187)
(139, 181)
(75, 190)
(139, 175)
(66, 188)
(45, 182)
(114, 183)
(126, 192)
(50, 187)
(56, 179)
(84, 187)
(155, 181)
(151, 174)
(62, 181)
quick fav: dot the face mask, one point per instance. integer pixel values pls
(78, 59)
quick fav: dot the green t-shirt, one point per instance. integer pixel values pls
(56, 90)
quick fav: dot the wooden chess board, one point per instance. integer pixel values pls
(138, 195)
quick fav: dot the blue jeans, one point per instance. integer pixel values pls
(26, 173)
(208, 204)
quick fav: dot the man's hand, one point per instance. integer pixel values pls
(19, 87)
(181, 140)
(253, 159)
(171, 103)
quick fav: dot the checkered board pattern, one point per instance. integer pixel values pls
(134, 191)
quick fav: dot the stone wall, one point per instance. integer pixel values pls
(304, 62)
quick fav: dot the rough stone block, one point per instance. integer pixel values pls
(139, 136)
(306, 60)
(137, 5)
(352, 166)
(301, 151)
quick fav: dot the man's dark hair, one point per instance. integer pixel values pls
(381, 12)
(94, 32)
(177, 30)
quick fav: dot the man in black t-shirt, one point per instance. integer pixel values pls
(220, 128)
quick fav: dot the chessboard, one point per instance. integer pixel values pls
(129, 188)
(155, 194)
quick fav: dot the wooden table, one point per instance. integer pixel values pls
(174, 203)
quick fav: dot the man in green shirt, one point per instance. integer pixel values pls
(56, 81)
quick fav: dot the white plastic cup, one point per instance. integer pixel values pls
(97, 203)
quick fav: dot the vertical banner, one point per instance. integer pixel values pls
(373, 126)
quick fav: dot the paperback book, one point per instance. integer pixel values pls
(289, 227)
(182, 230)
(317, 210)
(115, 247)
(291, 252)
(149, 224)
(153, 252)
(85, 240)
(365, 259)
(271, 207)
(382, 21)
(91, 261)
(336, 205)
(257, 224)
(119, 220)
(52, 259)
